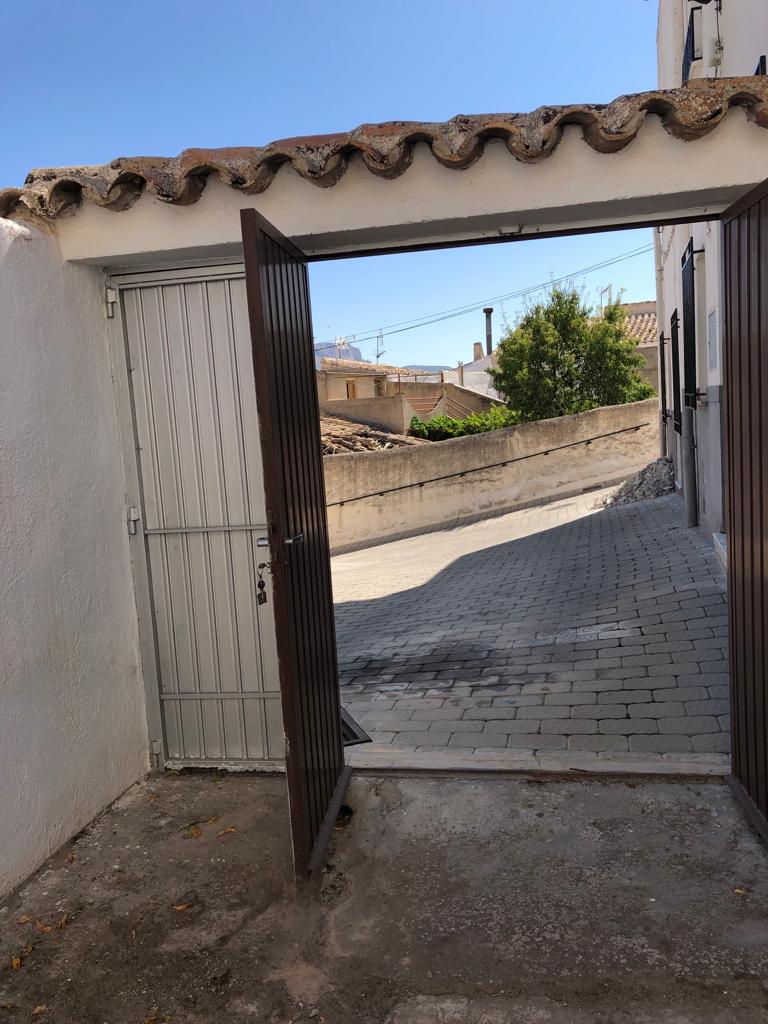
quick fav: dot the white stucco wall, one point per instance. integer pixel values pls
(73, 732)
(741, 30)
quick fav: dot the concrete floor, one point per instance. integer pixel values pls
(561, 636)
(445, 901)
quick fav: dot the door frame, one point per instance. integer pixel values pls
(119, 353)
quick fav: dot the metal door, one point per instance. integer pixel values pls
(746, 459)
(283, 358)
(201, 480)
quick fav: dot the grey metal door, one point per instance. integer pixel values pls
(203, 518)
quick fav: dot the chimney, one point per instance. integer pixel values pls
(478, 351)
(488, 330)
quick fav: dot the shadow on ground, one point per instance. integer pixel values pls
(603, 636)
(445, 901)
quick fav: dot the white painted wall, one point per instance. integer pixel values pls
(732, 42)
(732, 39)
(73, 730)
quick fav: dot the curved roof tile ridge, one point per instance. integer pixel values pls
(687, 113)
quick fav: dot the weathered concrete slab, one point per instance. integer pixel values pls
(444, 900)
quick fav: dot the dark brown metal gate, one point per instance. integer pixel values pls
(746, 450)
(281, 332)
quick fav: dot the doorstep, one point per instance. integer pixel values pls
(383, 756)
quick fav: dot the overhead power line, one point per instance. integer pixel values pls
(449, 314)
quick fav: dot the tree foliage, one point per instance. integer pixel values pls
(440, 428)
(561, 360)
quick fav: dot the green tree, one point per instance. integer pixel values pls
(561, 360)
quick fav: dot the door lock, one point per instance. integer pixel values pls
(297, 539)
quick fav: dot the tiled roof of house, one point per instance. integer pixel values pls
(643, 327)
(330, 364)
(688, 113)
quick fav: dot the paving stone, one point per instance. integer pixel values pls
(550, 687)
(628, 726)
(520, 725)
(662, 709)
(661, 744)
(683, 692)
(568, 726)
(569, 699)
(601, 711)
(417, 739)
(597, 743)
(712, 743)
(535, 741)
(708, 707)
(433, 714)
(478, 740)
(690, 725)
(463, 725)
(541, 713)
(615, 696)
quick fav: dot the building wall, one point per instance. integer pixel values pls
(732, 42)
(332, 387)
(73, 732)
(389, 412)
(390, 514)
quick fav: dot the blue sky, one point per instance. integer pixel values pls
(153, 79)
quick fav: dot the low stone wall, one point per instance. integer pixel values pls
(366, 508)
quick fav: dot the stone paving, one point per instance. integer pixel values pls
(570, 632)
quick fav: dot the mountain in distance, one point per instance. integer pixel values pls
(426, 369)
(337, 352)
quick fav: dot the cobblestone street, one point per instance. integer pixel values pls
(566, 634)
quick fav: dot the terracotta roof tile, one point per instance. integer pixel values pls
(688, 113)
(643, 327)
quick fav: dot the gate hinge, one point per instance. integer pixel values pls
(110, 298)
(134, 516)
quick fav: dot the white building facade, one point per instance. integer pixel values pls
(696, 40)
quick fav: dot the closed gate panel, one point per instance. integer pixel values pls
(203, 514)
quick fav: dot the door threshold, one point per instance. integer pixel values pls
(383, 758)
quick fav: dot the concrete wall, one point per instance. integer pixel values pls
(386, 516)
(332, 387)
(73, 732)
(456, 395)
(390, 412)
(649, 371)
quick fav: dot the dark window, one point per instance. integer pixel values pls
(762, 66)
(692, 50)
(677, 412)
(689, 328)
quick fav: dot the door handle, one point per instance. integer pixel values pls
(297, 539)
